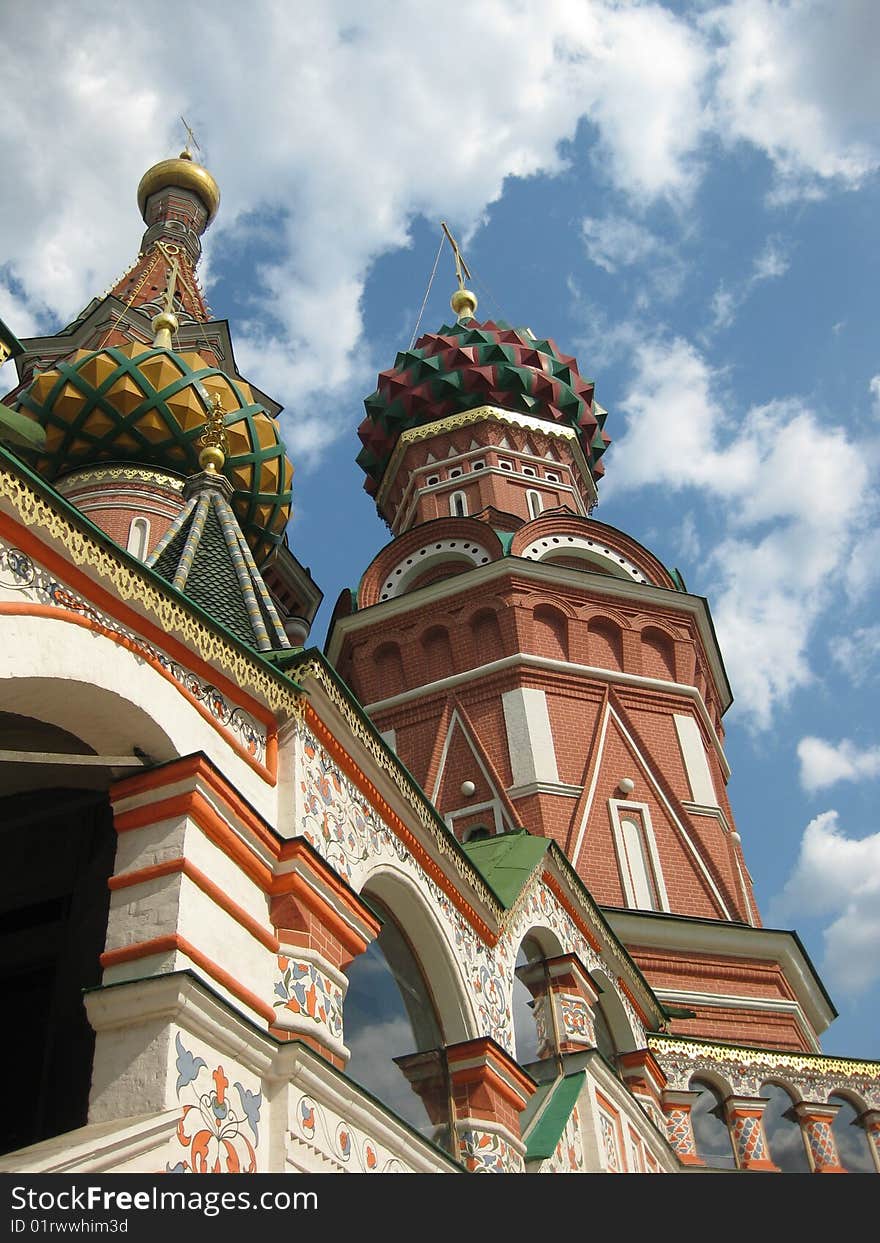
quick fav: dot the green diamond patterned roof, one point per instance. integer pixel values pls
(147, 404)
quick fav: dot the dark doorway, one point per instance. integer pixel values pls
(58, 847)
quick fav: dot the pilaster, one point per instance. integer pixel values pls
(816, 1121)
(745, 1120)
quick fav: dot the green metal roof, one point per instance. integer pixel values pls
(20, 431)
(507, 861)
(548, 1130)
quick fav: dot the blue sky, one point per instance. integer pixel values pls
(684, 195)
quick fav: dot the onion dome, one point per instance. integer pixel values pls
(475, 364)
(149, 405)
(182, 173)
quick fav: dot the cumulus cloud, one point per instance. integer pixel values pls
(824, 763)
(772, 574)
(839, 876)
(797, 81)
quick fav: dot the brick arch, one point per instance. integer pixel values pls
(388, 661)
(558, 532)
(401, 565)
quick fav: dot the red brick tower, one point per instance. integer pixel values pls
(538, 670)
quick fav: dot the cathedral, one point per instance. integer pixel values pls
(462, 892)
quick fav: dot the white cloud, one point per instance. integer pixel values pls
(824, 764)
(769, 264)
(855, 653)
(773, 573)
(614, 241)
(351, 120)
(798, 81)
(874, 390)
(839, 876)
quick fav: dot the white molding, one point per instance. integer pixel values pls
(615, 807)
(557, 666)
(733, 941)
(545, 787)
(739, 1001)
(711, 813)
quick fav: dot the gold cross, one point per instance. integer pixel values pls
(190, 136)
(460, 265)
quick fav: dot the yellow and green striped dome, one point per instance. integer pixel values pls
(148, 404)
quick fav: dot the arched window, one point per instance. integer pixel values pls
(486, 636)
(711, 1135)
(525, 1027)
(658, 654)
(641, 875)
(551, 632)
(437, 652)
(606, 644)
(458, 504)
(849, 1135)
(389, 669)
(534, 502)
(388, 1017)
(139, 537)
(784, 1136)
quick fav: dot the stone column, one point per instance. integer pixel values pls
(566, 1013)
(815, 1123)
(677, 1110)
(489, 1091)
(321, 925)
(745, 1120)
(646, 1079)
(870, 1120)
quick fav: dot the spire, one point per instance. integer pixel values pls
(463, 301)
(178, 199)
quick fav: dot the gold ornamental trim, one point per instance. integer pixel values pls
(754, 1057)
(132, 586)
(143, 474)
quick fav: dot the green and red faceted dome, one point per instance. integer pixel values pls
(473, 364)
(147, 404)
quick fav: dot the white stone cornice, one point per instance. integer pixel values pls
(705, 936)
(737, 1001)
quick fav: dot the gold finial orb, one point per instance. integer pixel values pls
(182, 173)
(164, 324)
(464, 303)
(212, 459)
